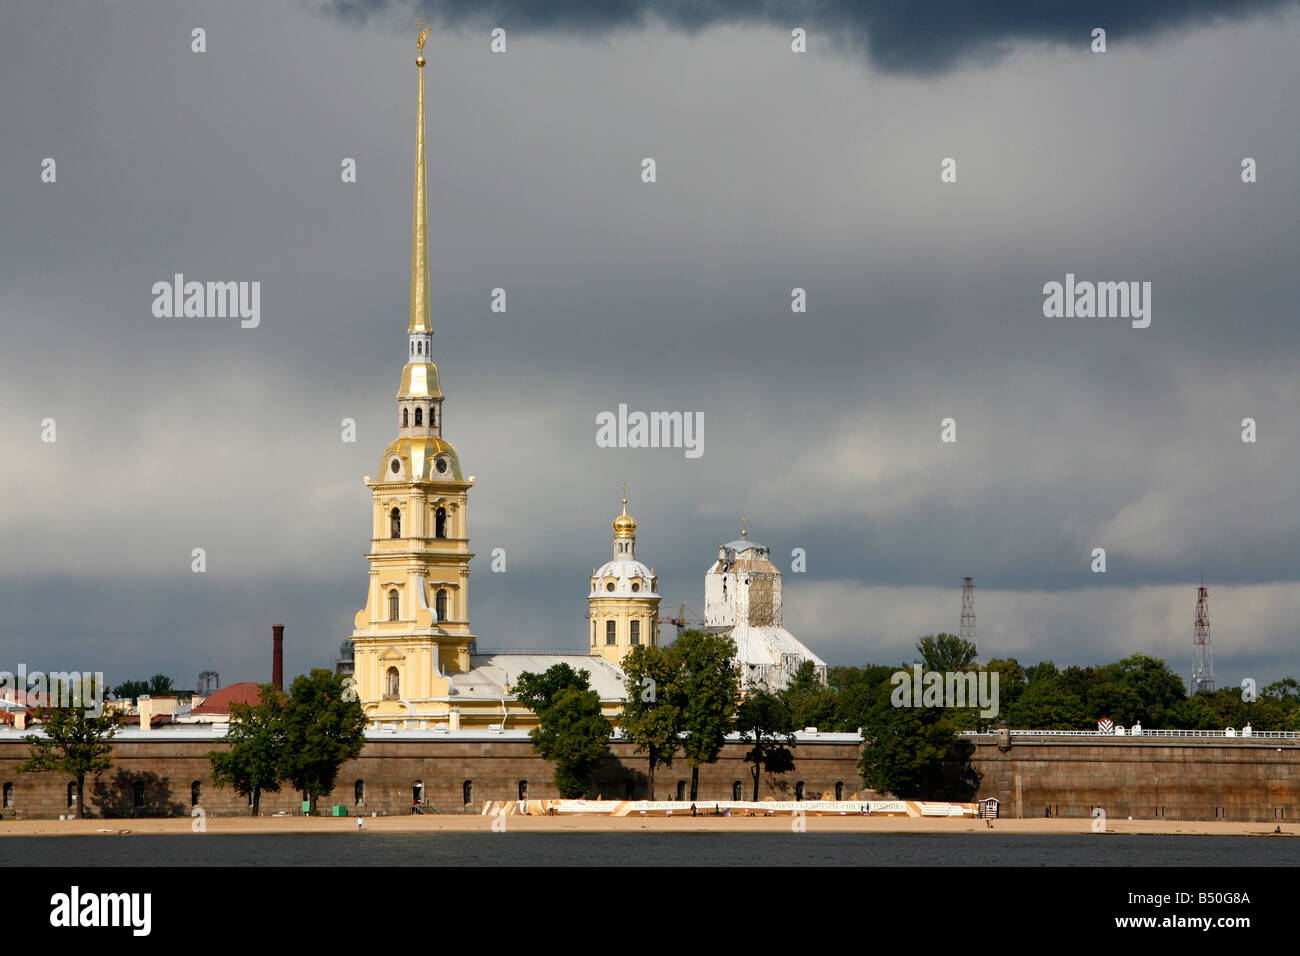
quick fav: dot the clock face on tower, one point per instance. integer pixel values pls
(396, 466)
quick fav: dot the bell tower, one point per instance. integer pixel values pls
(414, 629)
(623, 605)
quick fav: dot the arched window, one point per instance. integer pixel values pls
(419, 417)
(440, 602)
(405, 413)
(395, 522)
(392, 684)
(9, 794)
(394, 602)
(523, 789)
(138, 793)
(467, 792)
(196, 792)
(359, 793)
(798, 790)
(609, 632)
(735, 790)
(681, 789)
(440, 523)
(419, 348)
(417, 793)
(72, 794)
(636, 632)
(839, 790)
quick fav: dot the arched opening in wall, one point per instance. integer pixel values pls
(681, 789)
(359, 792)
(419, 417)
(72, 794)
(523, 789)
(735, 790)
(417, 793)
(440, 523)
(419, 348)
(137, 794)
(196, 793)
(440, 603)
(9, 795)
(467, 792)
(405, 414)
(394, 604)
(636, 632)
(798, 790)
(395, 523)
(609, 632)
(392, 684)
(839, 790)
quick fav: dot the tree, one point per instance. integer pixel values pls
(946, 652)
(253, 763)
(575, 734)
(915, 752)
(652, 711)
(130, 689)
(571, 729)
(764, 719)
(324, 726)
(73, 743)
(811, 703)
(536, 691)
(160, 685)
(710, 688)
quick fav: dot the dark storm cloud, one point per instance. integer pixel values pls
(924, 36)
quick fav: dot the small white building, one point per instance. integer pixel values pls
(742, 599)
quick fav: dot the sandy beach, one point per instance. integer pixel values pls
(598, 824)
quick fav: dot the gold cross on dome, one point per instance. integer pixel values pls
(744, 526)
(625, 488)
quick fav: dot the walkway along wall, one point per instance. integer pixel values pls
(156, 774)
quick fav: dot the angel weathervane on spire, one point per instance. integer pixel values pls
(424, 35)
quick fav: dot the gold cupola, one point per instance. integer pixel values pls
(625, 524)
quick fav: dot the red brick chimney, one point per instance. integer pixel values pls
(277, 658)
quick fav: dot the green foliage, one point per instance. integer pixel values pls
(946, 652)
(914, 752)
(652, 713)
(73, 744)
(160, 685)
(710, 689)
(253, 764)
(536, 691)
(765, 720)
(571, 729)
(322, 730)
(811, 703)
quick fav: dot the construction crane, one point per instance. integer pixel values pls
(682, 621)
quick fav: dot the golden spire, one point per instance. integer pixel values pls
(420, 228)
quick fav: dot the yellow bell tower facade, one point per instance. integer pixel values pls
(623, 605)
(414, 629)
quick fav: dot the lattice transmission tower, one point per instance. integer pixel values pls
(967, 632)
(1202, 651)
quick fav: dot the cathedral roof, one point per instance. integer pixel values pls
(490, 673)
(623, 571)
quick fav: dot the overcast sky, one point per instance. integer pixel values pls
(775, 170)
